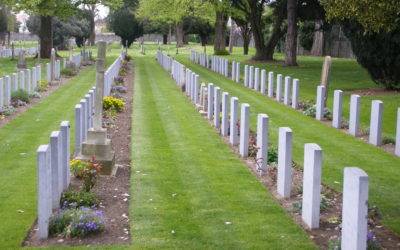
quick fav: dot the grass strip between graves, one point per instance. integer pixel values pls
(19, 141)
(188, 186)
(340, 150)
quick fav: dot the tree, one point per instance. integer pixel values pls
(241, 19)
(222, 11)
(373, 28)
(199, 26)
(291, 35)
(125, 25)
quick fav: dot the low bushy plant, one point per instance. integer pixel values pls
(76, 199)
(88, 171)
(42, 86)
(127, 57)
(311, 111)
(110, 102)
(122, 72)
(77, 222)
(221, 52)
(119, 80)
(35, 95)
(272, 154)
(68, 71)
(20, 95)
(7, 110)
(388, 140)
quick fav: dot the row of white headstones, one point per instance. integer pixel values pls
(256, 79)
(28, 79)
(355, 187)
(53, 168)
(7, 52)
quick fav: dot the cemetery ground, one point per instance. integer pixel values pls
(19, 140)
(346, 75)
(340, 149)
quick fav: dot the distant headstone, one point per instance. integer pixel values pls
(21, 60)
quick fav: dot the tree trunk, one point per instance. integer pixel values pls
(169, 34)
(165, 39)
(220, 29)
(92, 37)
(231, 36)
(46, 36)
(318, 41)
(203, 39)
(246, 42)
(179, 34)
(291, 35)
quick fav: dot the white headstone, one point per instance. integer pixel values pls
(271, 84)
(56, 168)
(262, 141)
(251, 77)
(311, 185)
(244, 130)
(7, 90)
(217, 107)
(263, 81)
(337, 109)
(238, 72)
(256, 79)
(354, 121)
(225, 114)
(44, 190)
(354, 209)
(15, 82)
(319, 113)
(295, 93)
(233, 132)
(210, 101)
(286, 98)
(2, 101)
(64, 129)
(233, 71)
(196, 89)
(375, 131)
(284, 181)
(78, 128)
(246, 75)
(279, 87)
(397, 146)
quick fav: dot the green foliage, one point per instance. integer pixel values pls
(68, 71)
(21, 95)
(306, 34)
(373, 15)
(42, 86)
(7, 110)
(88, 171)
(272, 154)
(76, 222)
(221, 52)
(125, 25)
(112, 103)
(76, 199)
(377, 52)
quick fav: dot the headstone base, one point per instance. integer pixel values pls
(98, 146)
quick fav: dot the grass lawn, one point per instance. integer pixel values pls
(186, 182)
(346, 74)
(340, 149)
(19, 141)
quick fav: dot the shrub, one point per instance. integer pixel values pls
(35, 95)
(77, 167)
(122, 71)
(42, 86)
(221, 52)
(7, 110)
(311, 111)
(128, 58)
(119, 80)
(272, 154)
(77, 222)
(110, 102)
(388, 140)
(20, 95)
(87, 171)
(69, 71)
(76, 199)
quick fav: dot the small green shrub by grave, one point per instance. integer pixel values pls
(20, 95)
(42, 86)
(76, 199)
(77, 222)
(69, 72)
(7, 110)
(88, 171)
(221, 52)
(112, 103)
(272, 154)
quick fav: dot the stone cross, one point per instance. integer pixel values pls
(325, 75)
(98, 105)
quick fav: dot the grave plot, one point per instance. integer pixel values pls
(20, 139)
(281, 179)
(188, 189)
(342, 149)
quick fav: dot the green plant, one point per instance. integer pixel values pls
(110, 102)
(221, 52)
(122, 72)
(272, 154)
(68, 71)
(77, 222)
(128, 57)
(77, 167)
(20, 95)
(311, 111)
(90, 174)
(42, 86)
(76, 199)
(7, 110)
(388, 140)
(334, 244)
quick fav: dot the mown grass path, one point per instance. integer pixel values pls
(340, 150)
(19, 140)
(187, 183)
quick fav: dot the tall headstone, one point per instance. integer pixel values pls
(354, 209)
(279, 87)
(233, 132)
(217, 107)
(286, 98)
(375, 131)
(225, 114)
(210, 101)
(2, 101)
(97, 144)
(256, 79)
(397, 146)
(78, 128)
(251, 77)
(233, 71)
(53, 65)
(65, 152)
(311, 185)
(21, 60)
(244, 130)
(354, 121)
(295, 93)
(337, 109)
(262, 141)
(238, 72)
(56, 168)
(263, 81)
(319, 113)
(246, 75)
(271, 84)
(44, 189)
(284, 182)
